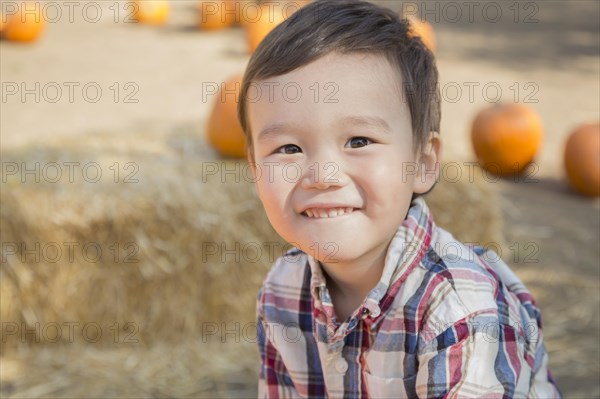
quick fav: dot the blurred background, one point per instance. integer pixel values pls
(133, 244)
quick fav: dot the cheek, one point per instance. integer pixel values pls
(272, 194)
(385, 183)
(390, 172)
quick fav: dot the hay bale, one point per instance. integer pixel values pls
(467, 204)
(161, 265)
(183, 252)
(189, 369)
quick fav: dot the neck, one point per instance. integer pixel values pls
(349, 282)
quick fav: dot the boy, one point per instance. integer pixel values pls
(342, 135)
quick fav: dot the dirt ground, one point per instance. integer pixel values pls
(544, 53)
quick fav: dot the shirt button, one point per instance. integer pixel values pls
(341, 366)
(376, 312)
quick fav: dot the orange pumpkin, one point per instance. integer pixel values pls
(424, 30)
(506, 137)
(26, 25)
(213, 15)
(582, 159)
(251, 12)
(223, 129)
(258, 26)
(151, 12)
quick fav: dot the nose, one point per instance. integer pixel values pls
(323, 175)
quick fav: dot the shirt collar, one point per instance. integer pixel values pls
(407, 248)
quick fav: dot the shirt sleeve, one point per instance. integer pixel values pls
(479, 357)
(543, 384)
(274, 380)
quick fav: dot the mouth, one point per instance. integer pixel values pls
(330, 213)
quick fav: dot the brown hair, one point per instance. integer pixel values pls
(349, 26)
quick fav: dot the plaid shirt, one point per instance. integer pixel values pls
(445, 320)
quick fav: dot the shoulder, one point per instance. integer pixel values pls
(469, 283)
(287, 285)
(458, 270)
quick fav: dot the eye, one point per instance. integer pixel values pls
(288, 149)
(357, 142)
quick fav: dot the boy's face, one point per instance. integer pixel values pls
(335, 134)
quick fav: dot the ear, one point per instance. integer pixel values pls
(429, 164)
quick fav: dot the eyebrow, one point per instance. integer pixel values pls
(367, 121)
(272, 130)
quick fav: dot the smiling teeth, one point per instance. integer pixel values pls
(324, 213)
